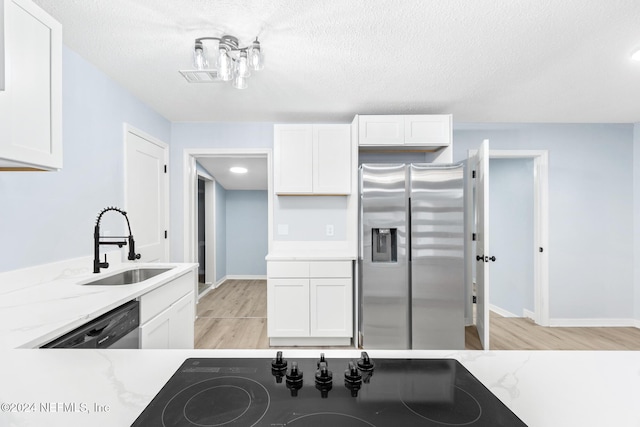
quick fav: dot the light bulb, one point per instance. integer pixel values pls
(256, 59)
(243, 67)
(226, 69)
(199, 60)
(240, 82)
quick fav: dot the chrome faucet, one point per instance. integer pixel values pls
(97, 241)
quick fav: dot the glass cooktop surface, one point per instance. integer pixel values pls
(325, 392)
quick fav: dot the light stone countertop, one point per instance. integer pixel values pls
(33, 315)
(544, 388)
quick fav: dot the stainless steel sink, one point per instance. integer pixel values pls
(129, 277)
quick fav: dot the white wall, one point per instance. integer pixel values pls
(49, 216)
(636, 219)
(591, 206)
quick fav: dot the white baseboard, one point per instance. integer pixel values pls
(246, 277)
(528, 314)
(592, 323)
(502, 312)
(636, 323)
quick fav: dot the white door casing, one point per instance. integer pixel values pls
(479, 162)
(146, 194)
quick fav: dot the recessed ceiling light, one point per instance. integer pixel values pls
(635, 56)
(238, 169)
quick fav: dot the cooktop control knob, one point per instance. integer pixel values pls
(294, 379)
(352, 379)
(322, 360)
(364, 363)
(366, 366)
(279, 364)
(324, 379)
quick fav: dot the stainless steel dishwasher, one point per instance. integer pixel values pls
(117, 328)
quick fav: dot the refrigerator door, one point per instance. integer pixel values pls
(437, 256)
(383, 257)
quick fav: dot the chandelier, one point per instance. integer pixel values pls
(226, 61)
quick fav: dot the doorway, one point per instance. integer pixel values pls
(212, 165)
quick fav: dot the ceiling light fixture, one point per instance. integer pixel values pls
(238, 169)
(226, 62)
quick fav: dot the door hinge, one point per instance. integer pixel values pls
(474, 236)
(474, 300)
(165, 168)
(165, 234)
(541, 250)
(473, 174)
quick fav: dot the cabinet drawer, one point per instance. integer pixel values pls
(330, 269)
(159, 299)
(288, 269)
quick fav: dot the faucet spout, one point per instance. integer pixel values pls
(98, 241)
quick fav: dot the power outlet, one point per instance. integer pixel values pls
(329, 230)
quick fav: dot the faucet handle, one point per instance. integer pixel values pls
(104, 264)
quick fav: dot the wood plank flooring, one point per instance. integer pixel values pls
(234, 316)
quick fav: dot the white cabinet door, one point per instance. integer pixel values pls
(332, 159)
(156, 333)
(181, 327)
(293, 159)
(331, 307)
(288, 307)
(381, 130)
(428, 130)
(31, 103)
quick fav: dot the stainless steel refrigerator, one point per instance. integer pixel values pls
(411, 261)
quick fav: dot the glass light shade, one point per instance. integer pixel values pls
(256, 59)
(199, 60)
(225, 66)
(240, 82)
(243, 66)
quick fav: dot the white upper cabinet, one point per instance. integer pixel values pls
(31, 102)
(312, 159)
(434, 130)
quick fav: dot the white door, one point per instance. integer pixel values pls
(479, 162)
(146, 195)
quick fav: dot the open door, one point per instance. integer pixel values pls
(479, 162)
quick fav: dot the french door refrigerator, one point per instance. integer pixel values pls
(411, 260)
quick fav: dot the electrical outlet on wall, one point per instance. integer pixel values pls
(329, 229)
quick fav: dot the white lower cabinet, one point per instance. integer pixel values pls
(309, 302)
(167, 315)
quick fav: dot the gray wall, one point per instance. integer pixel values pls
(636, 218)
(247, 232)
(591, 205)
(511, 234)
(49, 216)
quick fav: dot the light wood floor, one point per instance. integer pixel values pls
(234, 316)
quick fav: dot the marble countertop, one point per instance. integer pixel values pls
(112, 387)
(33, 315)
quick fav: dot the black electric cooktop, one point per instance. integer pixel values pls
(325, 392)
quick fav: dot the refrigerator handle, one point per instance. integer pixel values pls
(409, 243)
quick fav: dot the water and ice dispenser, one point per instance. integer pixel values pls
(384, 245)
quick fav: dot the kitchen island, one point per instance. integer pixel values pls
(112, 387)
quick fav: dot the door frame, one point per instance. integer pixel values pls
(126, 130)
(210, 229)
(540, 228)
(190, 186)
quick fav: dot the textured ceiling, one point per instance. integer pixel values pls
(481, 60)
